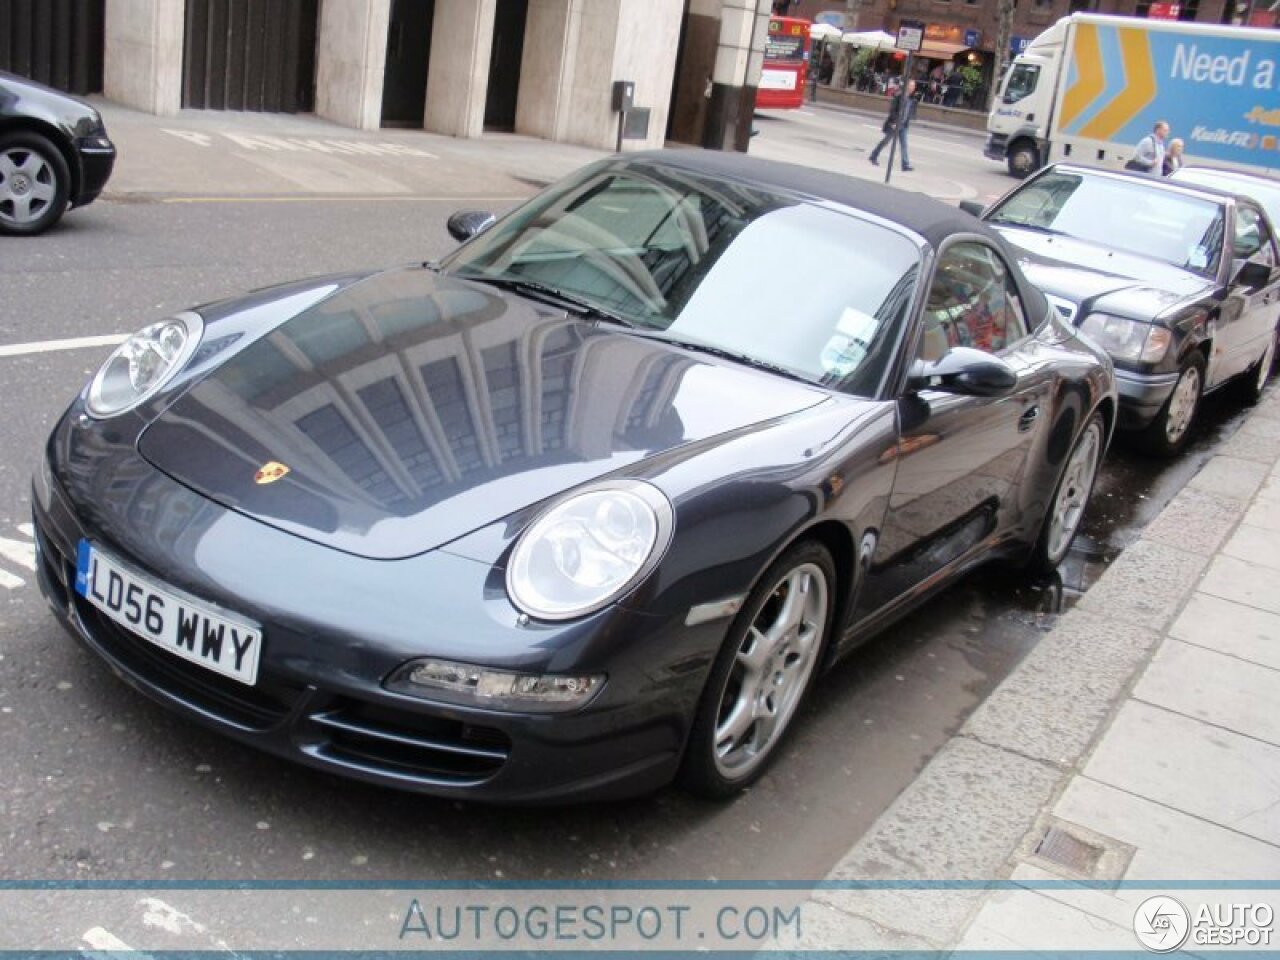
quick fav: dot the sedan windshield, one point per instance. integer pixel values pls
(728, 268)
(1266, 192)
(1127, 215)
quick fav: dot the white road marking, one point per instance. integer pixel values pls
(9, 581)
(19, 552)
(27, 530)
(273, 144)
(52, 346)
(100, 939)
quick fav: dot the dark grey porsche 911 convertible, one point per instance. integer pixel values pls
(585, 507)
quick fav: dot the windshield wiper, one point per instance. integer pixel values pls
(549, 294)
(725, 354)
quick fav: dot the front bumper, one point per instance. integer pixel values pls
(997, 147)
(97, 160)
(335, 626)
(1142, 395)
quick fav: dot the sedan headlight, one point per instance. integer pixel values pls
(1130, 341)
(589, 549)
(143, 364)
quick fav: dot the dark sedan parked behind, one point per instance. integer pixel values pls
(54, 154)
(585, 507)
(1178, 282)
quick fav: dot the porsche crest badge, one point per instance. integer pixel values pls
(270, 472)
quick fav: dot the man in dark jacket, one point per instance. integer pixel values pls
(901, 109)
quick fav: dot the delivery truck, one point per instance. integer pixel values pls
(1090, 87)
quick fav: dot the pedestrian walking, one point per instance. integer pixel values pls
(901, 110)
(1173, 156)
(1148, 157)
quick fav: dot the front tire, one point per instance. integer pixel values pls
(1070, 499)
(1023, 160)
(761, 675)
(34, 184)
(1168, 432)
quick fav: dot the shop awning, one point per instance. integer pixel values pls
(939, 50)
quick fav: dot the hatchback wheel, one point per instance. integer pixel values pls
(762, 673)
(34, 184)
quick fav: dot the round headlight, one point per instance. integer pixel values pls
(589, 549)
(143, 364)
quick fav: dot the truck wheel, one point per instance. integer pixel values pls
(1168, 432)
(1024, 159)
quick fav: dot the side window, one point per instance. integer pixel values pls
(1252, 239)
(973, 302)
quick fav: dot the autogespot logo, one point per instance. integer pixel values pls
(1161, 924)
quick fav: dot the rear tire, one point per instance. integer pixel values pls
(1070, 499)
(1254, 382)
(34, 184)
(762, 674)
(1168, 432)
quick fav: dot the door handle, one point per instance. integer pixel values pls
(1028, 418)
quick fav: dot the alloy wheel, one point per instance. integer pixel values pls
(771, 670)
(1182, 404)
(27, 185)
(1073, 491)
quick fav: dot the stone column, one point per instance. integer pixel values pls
(547, 68)
(576, 49)
(351, 58)
(739, 60)
(143, 54)
(458, 76)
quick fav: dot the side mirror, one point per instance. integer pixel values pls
(964, 370)
(466, 224)
(1253, 275)
(972, 206)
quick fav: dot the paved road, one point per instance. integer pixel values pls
(97, 783)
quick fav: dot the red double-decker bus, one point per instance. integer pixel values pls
(786, 64)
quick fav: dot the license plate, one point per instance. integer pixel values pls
(191, 629)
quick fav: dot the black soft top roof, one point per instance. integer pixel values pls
(929, 218)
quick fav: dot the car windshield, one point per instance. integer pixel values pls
(1123, 214)
(1265, 192)
(722, 266)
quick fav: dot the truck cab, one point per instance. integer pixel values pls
(1018, 124)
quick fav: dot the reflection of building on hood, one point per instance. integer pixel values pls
(1270, 118)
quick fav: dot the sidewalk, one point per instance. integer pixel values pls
(206, 153)
(1139, 741)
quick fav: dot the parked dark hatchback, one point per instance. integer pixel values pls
(1178, 282)
(589, 505)
(54, 154)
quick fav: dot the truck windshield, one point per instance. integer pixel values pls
(1021, 83)
(1123, 214)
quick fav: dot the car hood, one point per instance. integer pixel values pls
(1080, 271)
(412, 408)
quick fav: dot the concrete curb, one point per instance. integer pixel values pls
(978, 808)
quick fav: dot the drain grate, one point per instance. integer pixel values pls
(1067, 850)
